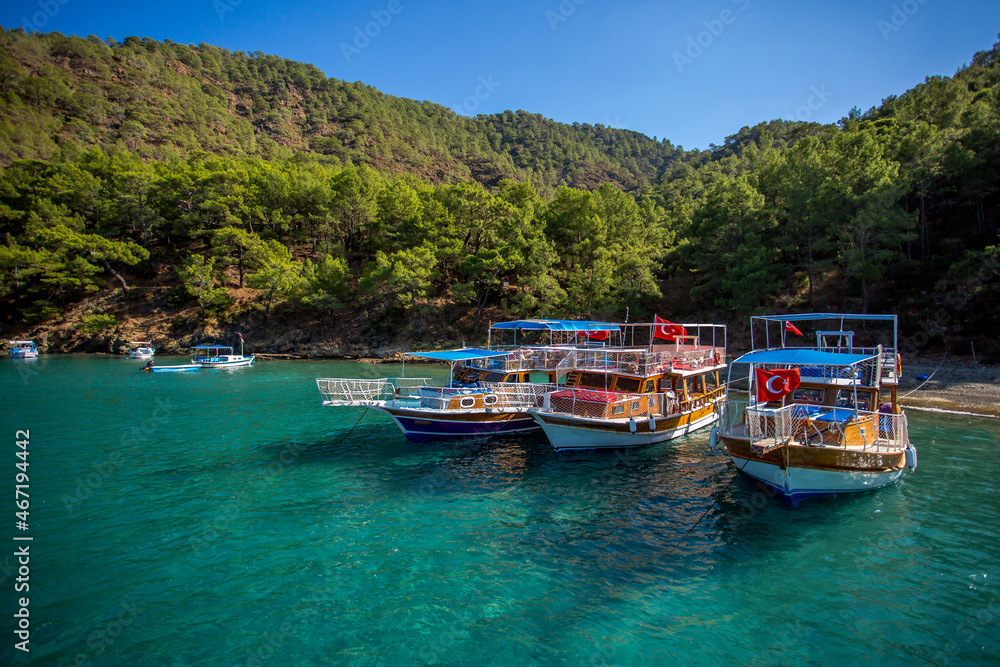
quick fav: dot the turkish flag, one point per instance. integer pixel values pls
(772, 385)
(597, 335)
(666, 329)
(791, 327)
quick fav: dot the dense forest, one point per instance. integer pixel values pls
(248, 190)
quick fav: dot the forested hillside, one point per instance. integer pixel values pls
(162, 100)
(196, 187)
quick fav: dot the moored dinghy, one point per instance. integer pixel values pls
(820, 420)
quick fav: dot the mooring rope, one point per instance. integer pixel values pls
(928, 377)
(705, 513)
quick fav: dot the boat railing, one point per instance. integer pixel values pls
(644, 363)
(732, 419)
(699, 401)
(813, 426)
(598, 404)
(412, 386)
(523, 359)
(515, 395)
(357, 391)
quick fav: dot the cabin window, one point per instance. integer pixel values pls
(814, 396)
(627, 385)
(650, 387)
(593, 380)
(467, 375)
(845, 399)
(618, 409)
(490, 376)
(635, 406)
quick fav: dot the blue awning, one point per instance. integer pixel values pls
(458, 355)
(801, 357)
(211, 347)
(558, 325)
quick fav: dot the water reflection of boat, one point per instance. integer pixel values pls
(824, 419)
(22, 349)
(632, 396)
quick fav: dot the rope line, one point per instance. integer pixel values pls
(929, 377)
(353, 427)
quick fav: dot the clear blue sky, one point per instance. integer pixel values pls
(692, 73)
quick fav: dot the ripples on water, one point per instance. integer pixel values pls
(255, 526)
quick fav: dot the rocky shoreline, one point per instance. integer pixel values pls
(955, 386)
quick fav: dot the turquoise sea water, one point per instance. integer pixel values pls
(227, 518)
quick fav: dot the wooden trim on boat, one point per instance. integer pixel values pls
(818, 458)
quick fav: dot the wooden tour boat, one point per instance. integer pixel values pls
(819, 420)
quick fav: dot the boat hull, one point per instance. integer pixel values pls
(798, 472)
(425, 425)
(24, 354)
(567, 433)
(226, 364)
(186, 368)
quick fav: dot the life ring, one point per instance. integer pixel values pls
(899, 365)
(718, 357)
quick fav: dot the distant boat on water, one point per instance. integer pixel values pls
(22, 349)
(141, 349)
(221, 356)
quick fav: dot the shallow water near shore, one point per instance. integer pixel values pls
(226, 517)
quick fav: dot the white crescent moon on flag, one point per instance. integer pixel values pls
(771, 389)
(663, 330)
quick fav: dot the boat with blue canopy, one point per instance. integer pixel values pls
(662, 384)
(487, 391)
(820, 419)
(220, 356)
(22, 349)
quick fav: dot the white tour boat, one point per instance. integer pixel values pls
(661, 389)
(141, 349)
(22, 349)
(220, 356)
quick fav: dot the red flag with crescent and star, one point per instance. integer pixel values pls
(772, 385)
(792, 328)
(666, 329)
